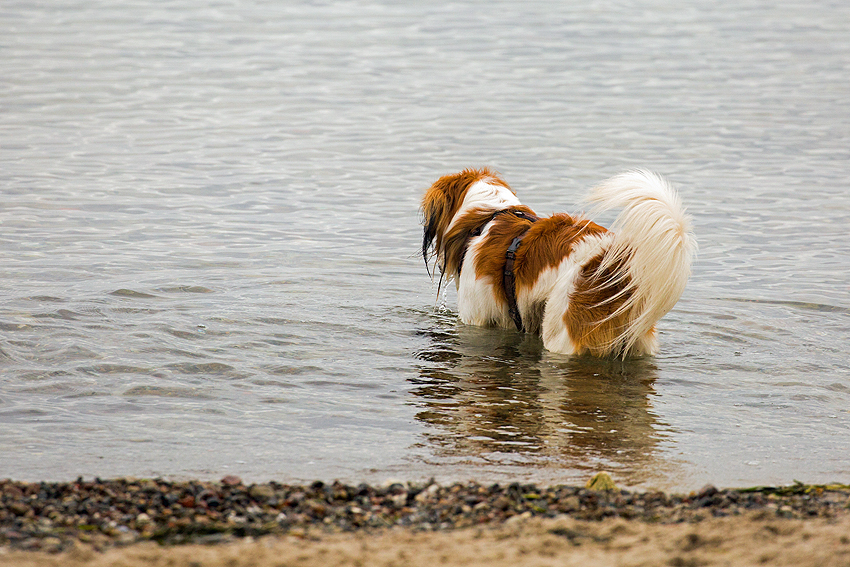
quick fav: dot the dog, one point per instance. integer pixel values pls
(583, 288)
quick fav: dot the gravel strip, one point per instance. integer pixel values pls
(105, 513)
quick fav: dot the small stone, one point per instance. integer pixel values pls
(261, 491)
(231, 480)
(51, 544)
(392, 485)
(601, 481)
(427, 493)
(570, 504)
(517, 520)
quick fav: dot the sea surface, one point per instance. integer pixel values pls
(209, 238)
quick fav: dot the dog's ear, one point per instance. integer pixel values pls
(443, 199)
(427, 238)
(433, 208)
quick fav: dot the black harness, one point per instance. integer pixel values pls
(508, 277)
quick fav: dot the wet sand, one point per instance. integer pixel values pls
(153, 522)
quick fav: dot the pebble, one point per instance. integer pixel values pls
(105, 513)
(601, 481)
(231, 480)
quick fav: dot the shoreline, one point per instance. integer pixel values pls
(96, 519)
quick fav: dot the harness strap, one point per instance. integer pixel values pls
(509, 281)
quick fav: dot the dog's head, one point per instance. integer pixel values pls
(445, 199)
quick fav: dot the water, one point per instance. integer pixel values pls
(210, 236)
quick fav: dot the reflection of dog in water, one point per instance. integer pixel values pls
(581, 287)
(502, 398)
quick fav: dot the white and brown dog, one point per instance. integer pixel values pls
(582, 287)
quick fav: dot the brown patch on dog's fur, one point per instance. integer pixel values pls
(592, 319)
(548, 242)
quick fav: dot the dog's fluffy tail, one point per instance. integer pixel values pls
(653, 242)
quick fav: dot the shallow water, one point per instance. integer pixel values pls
(210, 234)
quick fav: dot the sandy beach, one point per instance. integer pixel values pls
(226, 523)
(751, 539)
(745, 540)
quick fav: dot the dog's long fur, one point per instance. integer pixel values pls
(582, 287)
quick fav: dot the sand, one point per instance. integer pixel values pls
(758, 538)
